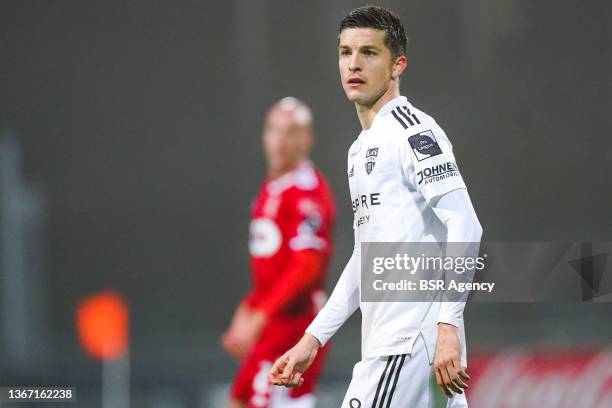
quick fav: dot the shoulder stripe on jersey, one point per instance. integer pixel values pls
(384, 394)
(380, 383)
(411, 114)
(401, 112)
(398, 119)
(401, 364)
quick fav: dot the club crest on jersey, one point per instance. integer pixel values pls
(371, 159)
(351, 173)
(424, 145)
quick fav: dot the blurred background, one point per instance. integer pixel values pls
(130, 153)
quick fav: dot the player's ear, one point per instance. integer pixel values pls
(308, 140)
(399, 66)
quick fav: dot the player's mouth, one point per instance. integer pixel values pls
(355, 82)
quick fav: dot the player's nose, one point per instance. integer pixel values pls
(354, 63)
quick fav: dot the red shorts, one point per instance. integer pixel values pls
(251, 385)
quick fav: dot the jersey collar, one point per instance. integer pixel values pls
(301, 175)
(384, 111)
(386, 108)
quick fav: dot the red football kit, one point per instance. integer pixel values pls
(290, 247)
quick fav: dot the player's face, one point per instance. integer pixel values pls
(367, 67)
(286, 142)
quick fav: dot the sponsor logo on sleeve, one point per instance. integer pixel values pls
(424, 145)
(437, 173)
(306, 235)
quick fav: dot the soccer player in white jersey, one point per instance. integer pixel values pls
(405, 187)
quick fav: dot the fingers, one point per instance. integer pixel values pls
(235, 349)
(461, 378)
(228, 345)
(277, 370)
(458, 376)
(446, 379)
(440, 383)
(458, 380)
(451, 377)
(464, 375)
(288, 371)
(296, 380)
(283, 373)
(451, 372)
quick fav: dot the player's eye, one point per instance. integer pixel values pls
(369, 52)
(345, 52)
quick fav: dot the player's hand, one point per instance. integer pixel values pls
(450, 376)
(229, 338)
(244, 331)
(290, 367)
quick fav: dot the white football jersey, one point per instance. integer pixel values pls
(395, 169)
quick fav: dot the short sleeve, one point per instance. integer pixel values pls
(429, 164)
(310, 229)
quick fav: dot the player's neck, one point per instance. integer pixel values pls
(274, 174)
(367, 113)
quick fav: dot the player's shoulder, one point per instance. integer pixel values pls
(310, 193)
(306, 177)
(402, 119)
(316, 189)
(322, 183)
(408, 127)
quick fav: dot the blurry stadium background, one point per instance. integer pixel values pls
(130, 152)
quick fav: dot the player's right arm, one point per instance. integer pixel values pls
(342, 303)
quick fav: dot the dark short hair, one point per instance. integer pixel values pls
(382, 19)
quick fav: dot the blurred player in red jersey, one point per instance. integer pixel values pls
(290, 247)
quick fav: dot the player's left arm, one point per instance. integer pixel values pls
(463, 233)
(429, 165)
(455, 210)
